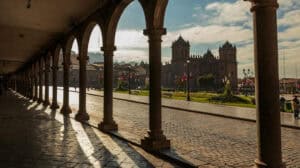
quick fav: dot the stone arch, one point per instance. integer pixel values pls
(86, 34)
(154, 13)
(68, 47)
(159, 13)
(111, 28)
(56, 54)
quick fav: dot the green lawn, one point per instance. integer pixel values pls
(202, 97)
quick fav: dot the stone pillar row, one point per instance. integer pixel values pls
(269, 153)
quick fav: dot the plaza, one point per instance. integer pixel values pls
(94, 131)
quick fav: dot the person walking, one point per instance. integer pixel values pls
(295, 105)
(1, 87)
(282, 103)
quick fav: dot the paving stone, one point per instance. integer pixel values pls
(31, 138)
(194, 137)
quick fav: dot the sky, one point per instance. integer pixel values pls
(207, 24)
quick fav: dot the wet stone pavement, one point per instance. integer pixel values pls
(204, 140)
(34, 136)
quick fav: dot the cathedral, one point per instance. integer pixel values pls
(219, 69)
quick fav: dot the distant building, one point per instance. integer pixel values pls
(218, 68)
(289, 85)
(94, 73)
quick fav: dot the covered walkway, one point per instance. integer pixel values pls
(35, 136)
(35, 35)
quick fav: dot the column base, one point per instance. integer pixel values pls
(40, 101)
(66, 110)
(34, 99)
(54, 106)
(155, 141)
(107, 127)
(46, 103)
(260, 164)
(82, 116)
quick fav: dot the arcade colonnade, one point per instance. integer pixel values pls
(29, 80)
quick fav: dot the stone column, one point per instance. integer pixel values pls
(40, 100)
(108, 123)
(25, 87)
(35, 97)
(66, 107)
(267, 84)
(47, 70)
(156, 139)
(31, 85)
(82, 115)
(54, 87)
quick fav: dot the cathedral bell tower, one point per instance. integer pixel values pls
(228, 60)
(180, 50)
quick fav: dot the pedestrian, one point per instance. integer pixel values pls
(282, 102)
(295, 105)
(0, 86)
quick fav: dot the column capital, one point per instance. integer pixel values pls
(108, 51)
(256, 4)
(108, 48)
(86, 58)
(54, 67)
(155, 32)
(63, 64)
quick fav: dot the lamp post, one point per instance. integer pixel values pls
(129, 88)
(188, 98)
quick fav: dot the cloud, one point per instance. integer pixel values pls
(286, 5)
(210, 34)
(126, 38)
(292, 33)
(136, 55)
(131, 38)
(131, 55)
(290, 18)
(229, 13)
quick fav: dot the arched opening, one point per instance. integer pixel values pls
(51, 55)
(131, 72)
(42, 78)
(95, 64)
(92, 37)
(60, 75)
(74, 75)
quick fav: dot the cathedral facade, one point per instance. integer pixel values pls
(219, 69)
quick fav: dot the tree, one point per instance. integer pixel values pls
(206, 82)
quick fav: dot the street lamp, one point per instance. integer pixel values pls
(188, 98)
(129, 88)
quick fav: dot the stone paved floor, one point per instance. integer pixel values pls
(204, 140)
(34, 136)
(238, 112)
(231, 111)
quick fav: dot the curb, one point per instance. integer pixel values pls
(196, 111)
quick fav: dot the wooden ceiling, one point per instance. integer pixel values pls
(25, 31)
